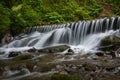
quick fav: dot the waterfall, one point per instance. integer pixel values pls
(85, 35)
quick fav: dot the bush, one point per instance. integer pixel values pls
(54, 17)
(82, 14)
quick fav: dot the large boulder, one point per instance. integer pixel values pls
(109, 43)
(110, 40)
(54, 49)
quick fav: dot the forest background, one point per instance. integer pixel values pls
(16, 15)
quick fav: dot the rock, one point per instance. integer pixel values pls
(54, 49)
(117, 53)
(60, 69)
(32, 50)
(13, 54)
(106, 48)
(112, 54)
(70, 52)
(58, 76)
(24, 57)
(100, 53)
(6, 39)
(110, 40)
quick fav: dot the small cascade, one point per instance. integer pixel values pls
(83, 34)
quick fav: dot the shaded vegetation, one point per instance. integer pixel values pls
(16, 15)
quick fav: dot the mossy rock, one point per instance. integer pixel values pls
(54, 49)
(57, 76)
(23, 57)
(110, 40)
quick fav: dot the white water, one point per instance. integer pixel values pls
(83, 36)
(89, 44)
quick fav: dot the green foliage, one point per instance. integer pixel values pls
(16, 15)
(23, 16)
(82, 14)
(30, 16)
(116, 4)
(54, 17)
(4, 19)
(95, 10)
(117, 10)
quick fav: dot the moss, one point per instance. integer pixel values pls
(57, 76)
(110, 40)
(23, 57)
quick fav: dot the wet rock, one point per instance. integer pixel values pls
(89, 67)
(61, 70)
(112, 54)
(106, 48)
(54, 49)
(13, 54)
(100, 53)
(110, 40)
(8, 73)
(117, 53)
(57, 76)
(69, 52)
(24, 71)
(32, 50)
(24, 57)
(110, 69)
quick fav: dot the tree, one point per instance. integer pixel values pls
(4, 19)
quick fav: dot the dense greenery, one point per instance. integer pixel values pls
(16, 15)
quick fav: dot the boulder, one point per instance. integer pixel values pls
(69, 52)
(32, 50)
(54, 49)
(110, 40)
(23, 57)
(13, 54)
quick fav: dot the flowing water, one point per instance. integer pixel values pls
(83, 36)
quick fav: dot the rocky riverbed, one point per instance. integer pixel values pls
(54, 63)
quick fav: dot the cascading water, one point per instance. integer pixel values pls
(84, 36)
